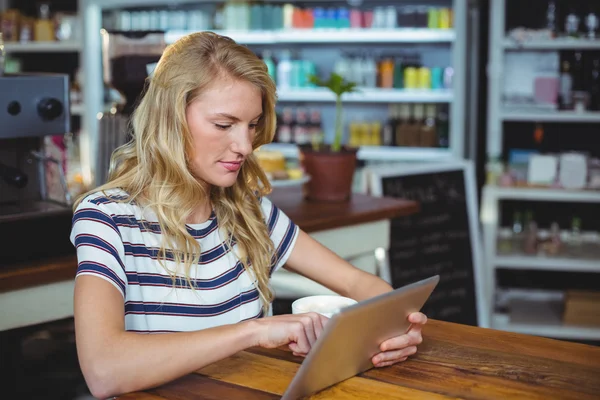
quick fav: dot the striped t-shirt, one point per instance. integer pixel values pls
(119, 242)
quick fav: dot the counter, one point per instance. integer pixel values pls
(454, 361)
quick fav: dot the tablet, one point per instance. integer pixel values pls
(352, 337)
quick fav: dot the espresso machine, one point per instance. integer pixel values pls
(34, 224)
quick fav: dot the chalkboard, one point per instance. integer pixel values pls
(442, 239)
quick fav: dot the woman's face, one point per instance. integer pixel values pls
(222, 121)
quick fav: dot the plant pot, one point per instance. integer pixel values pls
(331, 173)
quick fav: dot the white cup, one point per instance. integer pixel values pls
(327, 305)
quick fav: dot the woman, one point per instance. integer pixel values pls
(181, 241)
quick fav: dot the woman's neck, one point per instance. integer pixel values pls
(201, 214)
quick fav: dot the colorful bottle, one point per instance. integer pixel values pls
(270, 64)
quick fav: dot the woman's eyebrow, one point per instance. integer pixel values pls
(234, 118)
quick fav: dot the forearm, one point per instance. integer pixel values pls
(132, 361)
(365, 285)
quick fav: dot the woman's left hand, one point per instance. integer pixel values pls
(399, 348)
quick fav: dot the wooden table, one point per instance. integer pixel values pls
(319, 216)
(454, 361)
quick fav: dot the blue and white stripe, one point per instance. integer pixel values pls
(119, 243)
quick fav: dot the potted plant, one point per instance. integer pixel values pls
(330, 166)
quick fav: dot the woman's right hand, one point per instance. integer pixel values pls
(298, 331)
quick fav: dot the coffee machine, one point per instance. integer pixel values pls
(33, 223)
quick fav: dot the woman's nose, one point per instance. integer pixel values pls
(242, 142)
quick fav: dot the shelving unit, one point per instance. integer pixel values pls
(400, 35)
(490, 215)
(368, 95)
(377, 153)
(551, 328)
(556, 44)
(550, 116)
(453, 39)
(43, 47)
(539, 321)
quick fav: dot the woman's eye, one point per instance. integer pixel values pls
(223, 127)
(253, 126)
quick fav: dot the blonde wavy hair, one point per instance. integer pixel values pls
(154, 167)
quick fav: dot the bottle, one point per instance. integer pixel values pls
(577, 72)
(386, 73)
(270, 64)
(403, 125)
(370, 72)
(594, 86)
(428, 133)
(398, 73)
(551, 17)
(517, 225)
(284, 70)
(354, 132)
(300, 132)
(576, 236)
(417, 126)
(555, 244)
(572, 24)
(315, 129)
(284, 130)
(288, 16)
(44, 26)
(341, 67)
(530, 243)
(591, 23)
(376, 139)
(443, 128)
(566, 87)
(389, 127)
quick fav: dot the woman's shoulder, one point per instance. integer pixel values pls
(111, 199)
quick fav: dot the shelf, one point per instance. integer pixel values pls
(43, 47)
(368, 95)
(535, 194)
(400, 35)
(376, 153)
(553, 328)
(547, 263)
(550, 116)
(555, 44)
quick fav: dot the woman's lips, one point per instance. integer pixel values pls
(231, 165)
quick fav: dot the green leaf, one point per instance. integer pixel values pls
(338, 86)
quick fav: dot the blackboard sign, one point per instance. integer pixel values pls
(442, 239)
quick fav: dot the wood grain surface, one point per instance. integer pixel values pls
(316, 216)
(454, 361)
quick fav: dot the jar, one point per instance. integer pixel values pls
(9, 25)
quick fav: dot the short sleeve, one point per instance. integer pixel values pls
(100, 250)
(282, 230)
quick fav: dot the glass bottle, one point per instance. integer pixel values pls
(517, 225)
(576, 236)
(591, 23)
(555, 240)
(44, 25)
(572, 24)
(551, 17)
(577, 73)
(530, 243)
(566, 87)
